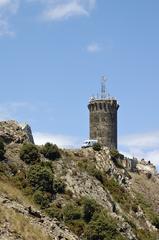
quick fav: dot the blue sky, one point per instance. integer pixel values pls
(52, 56)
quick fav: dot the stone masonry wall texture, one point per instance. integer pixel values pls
(103, 121)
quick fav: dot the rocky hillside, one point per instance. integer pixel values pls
(47, 193)
(14, 132)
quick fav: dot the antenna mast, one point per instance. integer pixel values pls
(103, 88)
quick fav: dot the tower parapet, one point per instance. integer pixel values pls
(103, 119)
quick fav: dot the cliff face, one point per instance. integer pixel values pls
(101, 199)
(13, 132)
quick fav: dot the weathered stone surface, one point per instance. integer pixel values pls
(146, 167)
(12, 132)
(26, 128)
(73, 168)
(52, 227)
(103, 121)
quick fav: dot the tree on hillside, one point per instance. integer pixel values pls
(41, 177)
(29, 153)
(51, 151)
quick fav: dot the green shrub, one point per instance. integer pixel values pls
(71, 212)
(148, 209)
(97, 147)
(41, 177)
(93, 171)
(54, 212)
(135, 208)
(77, 226)
(115, 154)
(42, 198)
(144, 234)
(51, 151)
(155, 221)
(13, 168)
(116, 158)
(68, 194)
(89, 208)
(20, 179)
(2, 149)
(119, 193)
(4, 169)
(102, 227)
(29, 153)
(59, 186)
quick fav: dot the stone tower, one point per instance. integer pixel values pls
(103, 118)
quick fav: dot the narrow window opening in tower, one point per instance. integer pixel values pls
(104, 106)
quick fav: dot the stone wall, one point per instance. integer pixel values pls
(103, 121)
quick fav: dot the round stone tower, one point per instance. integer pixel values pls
(103, 119)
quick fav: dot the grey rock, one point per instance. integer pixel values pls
(13, 132)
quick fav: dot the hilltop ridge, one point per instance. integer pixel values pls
(80, 194)
(12, 131)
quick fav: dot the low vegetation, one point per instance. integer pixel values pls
(19, 226)
(87, 219)
(148, 210)
(2, 150)
(118, 192)
(117, 158)
(144, 234)
(37, 180)
(97, 147)
(40, 177)
(51, 151)
(42, 198)
(102, 227)
(29, 153)
(90, 167)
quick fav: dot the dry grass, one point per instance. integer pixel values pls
(148, 188)
(14, 193)
(19, 225)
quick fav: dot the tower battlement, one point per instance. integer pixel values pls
(103, 119)
(103, 104)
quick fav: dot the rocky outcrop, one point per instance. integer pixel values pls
(146, 167)
(27, 129)
(13, 132)
(51, 227)
(121, 188)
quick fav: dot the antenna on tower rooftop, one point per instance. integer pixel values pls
(103, 87)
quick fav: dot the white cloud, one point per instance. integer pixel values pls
(93, 48)
(4, 2)
(92, 3)
(63, 9)
(5, 29)
(146, 140)
(7, 9)
(53, 10)
(60, 140)
(10, 110)
(141, 146)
